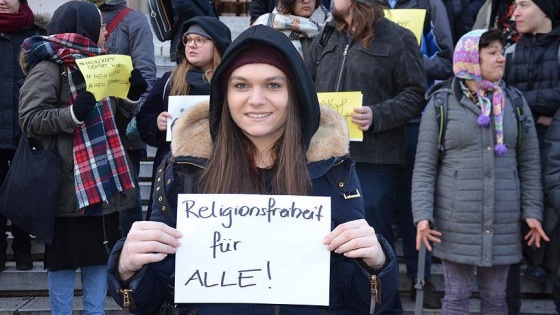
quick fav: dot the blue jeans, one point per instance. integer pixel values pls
(131, 215)
(94, 287)
(458, 280)
(406, 221)
(379, 187)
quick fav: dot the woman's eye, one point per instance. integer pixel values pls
(240, 85)
(274, 85)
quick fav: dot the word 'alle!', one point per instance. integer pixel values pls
(106, 75)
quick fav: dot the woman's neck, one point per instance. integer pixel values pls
(264, 158)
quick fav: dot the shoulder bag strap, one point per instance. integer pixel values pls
(118, 18)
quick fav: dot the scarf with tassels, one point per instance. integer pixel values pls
(466, 65)
(100, 163)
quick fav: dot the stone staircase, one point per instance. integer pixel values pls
(26, 292)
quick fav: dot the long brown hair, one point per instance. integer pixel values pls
(178, 78)
(364, 18)
(231, 169)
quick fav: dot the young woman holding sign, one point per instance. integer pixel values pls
(263, 133)
(201, 49)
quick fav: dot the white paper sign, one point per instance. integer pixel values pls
(253, 249)
(178, 104)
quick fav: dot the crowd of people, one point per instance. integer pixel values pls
(461, 134)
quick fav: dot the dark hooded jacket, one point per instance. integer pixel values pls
(158, 99)
(332, 174)
(12, 80)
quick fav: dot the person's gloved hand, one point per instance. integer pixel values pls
(83, 105)
(137, 85)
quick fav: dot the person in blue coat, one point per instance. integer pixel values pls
(263, 132)
(191, 77)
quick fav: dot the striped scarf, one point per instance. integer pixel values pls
(466, 65)
(100, 164)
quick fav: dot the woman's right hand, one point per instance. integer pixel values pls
(424, 234)
(162, 120)
(147, 242)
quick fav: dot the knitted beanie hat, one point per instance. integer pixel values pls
(466, 65)
(550, 9)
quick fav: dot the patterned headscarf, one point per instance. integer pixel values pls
(466, 65)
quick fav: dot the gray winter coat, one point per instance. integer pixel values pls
(475, 198)
(132, 37)
(44, 113)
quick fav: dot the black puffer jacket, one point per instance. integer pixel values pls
(12, 79)
(391, 76)
(534, 70)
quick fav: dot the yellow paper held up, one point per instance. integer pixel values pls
(344, 103)
(412, 19)
(106, 75)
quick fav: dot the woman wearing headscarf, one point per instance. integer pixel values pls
(477, 175)
(96, 181)
(200, 50)
(17, 22)
(300, 20)
(262, 133)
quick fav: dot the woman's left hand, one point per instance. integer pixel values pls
(536, 233)
(356, 239)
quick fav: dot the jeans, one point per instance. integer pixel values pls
(94, 287)
(458, 280)
(406, 221)
(131, 215)
(379, 187)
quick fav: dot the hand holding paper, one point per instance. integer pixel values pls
(363, 117)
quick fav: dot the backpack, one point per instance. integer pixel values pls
(440, 106)
(162, 18)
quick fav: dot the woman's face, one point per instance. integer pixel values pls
(492, 62)
(9, 6)
(304, 7)
(199, 51)
(257, 96)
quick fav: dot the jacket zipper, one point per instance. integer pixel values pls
(344, 54)
(127, 299)
(375, 293)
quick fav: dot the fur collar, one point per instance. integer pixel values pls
(41, 22)
(191, 135)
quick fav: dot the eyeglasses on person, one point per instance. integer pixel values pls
(199, 41)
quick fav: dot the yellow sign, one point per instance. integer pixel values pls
(344, 103)
(412, 19)
(106, 75)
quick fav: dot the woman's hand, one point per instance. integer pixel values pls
(424, 234)
(162, 120)
(536, 233)
(356, 239)
(363, 117)
(147, 242)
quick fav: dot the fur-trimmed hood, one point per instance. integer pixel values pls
(191, 135)
(41, 22)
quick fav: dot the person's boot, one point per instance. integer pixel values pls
(431, 299)
(556, 298)
(23, 260)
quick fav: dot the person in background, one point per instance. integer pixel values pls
(185, 10)
(132, 37)
(204, 41)
(263, 133)
(437, 49)
(551, 170)
(300, 20)
(470, 198)
(532, 66)
(259, 7)
(366, 52)
(17, 22)
(96, 177)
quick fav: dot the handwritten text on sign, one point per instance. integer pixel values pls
(344, 103)
(106, 75)
(253, 249)
(177, 105)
